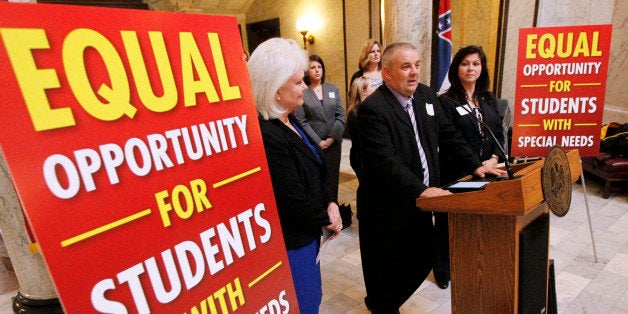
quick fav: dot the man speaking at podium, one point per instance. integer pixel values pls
(401, 127)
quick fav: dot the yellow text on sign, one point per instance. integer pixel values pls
(560, 86)
(34, 82)
(184, 200)
(561, 45)
(556, 124)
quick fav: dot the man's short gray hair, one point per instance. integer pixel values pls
(270, 66)
(389, 52)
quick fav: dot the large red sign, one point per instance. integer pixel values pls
(561, 83)
(134, 145)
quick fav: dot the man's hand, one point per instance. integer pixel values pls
(431, 192)
(491, 162)
(484, 170)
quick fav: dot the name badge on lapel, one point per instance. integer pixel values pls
(430, 109)
(463, 110)
(332, 95)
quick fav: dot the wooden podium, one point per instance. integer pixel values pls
(484, 242)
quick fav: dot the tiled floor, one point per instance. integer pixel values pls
(582, 285)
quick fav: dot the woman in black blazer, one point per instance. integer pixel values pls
(466, 103)
(297, 171)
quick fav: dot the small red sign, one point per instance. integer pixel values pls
(561, 83)
(134, 145)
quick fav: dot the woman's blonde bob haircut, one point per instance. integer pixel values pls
(270, 66)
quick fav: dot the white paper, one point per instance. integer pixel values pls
(468, 185)
(324, 244)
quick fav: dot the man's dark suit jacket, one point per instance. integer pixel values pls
(298, 179)
(396, 238)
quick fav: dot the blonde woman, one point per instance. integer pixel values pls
(358, 91)
(370, 64)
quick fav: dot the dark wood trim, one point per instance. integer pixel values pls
(344, 43)
(434, 33)
(258, 32)
(536, 13)
(500, 48)
(370, 19)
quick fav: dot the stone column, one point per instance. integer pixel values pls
(410, 21)
(37, 293)
(520, 15)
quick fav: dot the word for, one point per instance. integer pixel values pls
(195, 197)
(562, 45)
(208, 305)
(212, 254)
(582, 68)
(21, 44)
(549, 141)
(140, 156)
(567, 105)
(560, 86)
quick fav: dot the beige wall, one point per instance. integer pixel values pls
(475, 22)
(357, 26)
(616, 105)
(361, 24)
(329, 39)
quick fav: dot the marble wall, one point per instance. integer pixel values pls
(573, 12)
(616, 105)
(357, 28)
(329, 39)
(520, 15)
(30, 269)
(411, 21)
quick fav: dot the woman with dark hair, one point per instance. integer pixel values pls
(468, 103)
(322, 117)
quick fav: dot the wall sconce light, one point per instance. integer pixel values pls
(305, 25)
